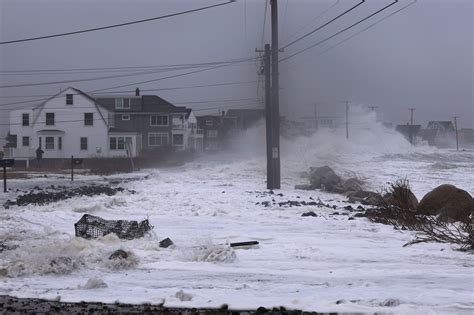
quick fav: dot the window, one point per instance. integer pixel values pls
(119, 143)
(209, 122)
(211, 133)
(25, 119)
(49, 119)
(60, 143)
(157, 139)
(122, 103)
(49, 143)
(178, 139)
(84, 143)
(88, 119)
(125, 117)
(26, 141)
(69, 99)
(178, 122)
(159, 120)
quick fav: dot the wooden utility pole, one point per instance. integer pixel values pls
(411, 125)
(275, 96)
(268, 116)
(456, 129)
(347, 119)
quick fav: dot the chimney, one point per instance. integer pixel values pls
(223, 113)
(137, 92)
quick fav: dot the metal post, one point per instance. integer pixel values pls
(4, 178)
(275, 96)
(268, 116)
(72, 168)
(411, 125)
(456, 129)
(347, 119)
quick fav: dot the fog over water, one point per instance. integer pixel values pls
(421, 57)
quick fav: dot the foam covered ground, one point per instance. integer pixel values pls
(324, 263)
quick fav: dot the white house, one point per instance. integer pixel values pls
(70, 123)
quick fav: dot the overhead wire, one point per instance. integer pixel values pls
(115, 25)
(324, 25)
(135, 113)
(118, 69)
(338, 33)
(130, 84)
(141, 90)
(368, 27)
(314, 19)
(116, 76)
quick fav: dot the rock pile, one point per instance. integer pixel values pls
(46, 197)
(326, 179)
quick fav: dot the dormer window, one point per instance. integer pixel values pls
(209, 122)
(69, 99)
(122, 103)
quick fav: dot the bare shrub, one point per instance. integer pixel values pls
(396, 209)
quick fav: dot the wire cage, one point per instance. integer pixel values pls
(90, 226)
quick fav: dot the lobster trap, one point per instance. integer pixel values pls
(90, 226)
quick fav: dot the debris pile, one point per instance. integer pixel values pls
(46, 197)
(90, 226)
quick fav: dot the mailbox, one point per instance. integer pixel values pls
(7, 163)
(77, 161)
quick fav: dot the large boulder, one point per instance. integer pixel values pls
(324, 178)
(448, 201)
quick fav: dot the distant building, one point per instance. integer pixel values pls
(439, 133)
(410, 132)
(466, 137)
(159, 124)
(245, 118)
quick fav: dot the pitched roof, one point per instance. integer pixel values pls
(153, 103)
(79, 92)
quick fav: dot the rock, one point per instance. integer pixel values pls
(309, 214)
(365, 197)
(352, 184)
(118, 254)
(447, 201)
(303, 187)
(167, 242)
(324, 178)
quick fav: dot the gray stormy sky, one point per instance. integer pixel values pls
(421, 57)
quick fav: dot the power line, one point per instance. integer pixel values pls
(135, 113)
(112, 76)
(119, 69)
(141, 90)
(125, 85)
(169, 77)
(368, 27)
(340, 32)
(174, 103)
(315, 19)
(115, 25)
(324, 25)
